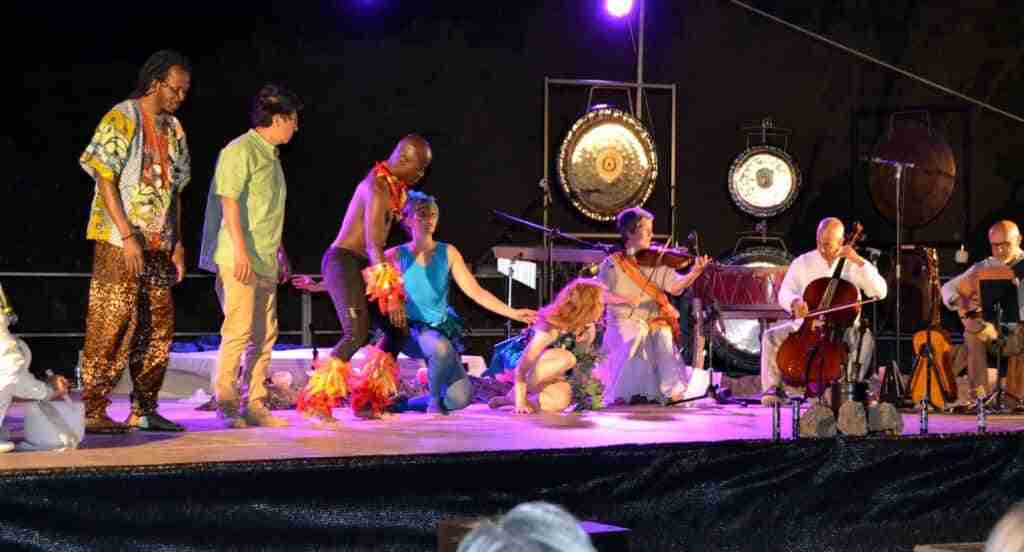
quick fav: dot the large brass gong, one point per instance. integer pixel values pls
(607, 163)
(927, 187)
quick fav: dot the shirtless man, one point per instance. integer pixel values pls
(355, 260)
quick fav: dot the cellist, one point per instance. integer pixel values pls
(961, 294)
(819, 263)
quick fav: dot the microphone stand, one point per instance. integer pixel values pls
(712, 316)
(550, 234)
(899, 166)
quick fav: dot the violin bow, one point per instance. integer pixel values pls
(839, 308)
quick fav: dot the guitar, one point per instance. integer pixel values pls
(934, 349)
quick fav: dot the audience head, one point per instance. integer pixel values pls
(529, 527)
(1008, 534)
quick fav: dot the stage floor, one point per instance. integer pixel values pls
(475, 429)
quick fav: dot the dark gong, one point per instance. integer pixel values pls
(927, 187)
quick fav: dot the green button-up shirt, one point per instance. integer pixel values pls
(248, 171)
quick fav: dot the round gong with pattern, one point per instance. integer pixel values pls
(764, 181)
(607, 163)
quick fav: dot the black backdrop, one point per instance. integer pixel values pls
(470, 78)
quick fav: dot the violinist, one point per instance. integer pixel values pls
(961, 294)
(819, 263)
(640, 361)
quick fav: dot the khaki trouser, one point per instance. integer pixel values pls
(978, 341)
(250, 325)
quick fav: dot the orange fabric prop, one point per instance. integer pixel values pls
(326, 387)
(376, 383)
(384, 285)
(397, 187)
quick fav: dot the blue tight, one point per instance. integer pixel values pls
(450, 388)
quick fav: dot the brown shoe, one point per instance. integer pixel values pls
(102, 424)
(228, 411)
(257, 414)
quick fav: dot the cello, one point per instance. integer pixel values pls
(816, 352)
(934, 367)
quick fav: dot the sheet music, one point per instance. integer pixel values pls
(524, 272)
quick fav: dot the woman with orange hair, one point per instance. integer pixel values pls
(540, 375)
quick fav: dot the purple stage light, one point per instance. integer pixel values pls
(619, 8)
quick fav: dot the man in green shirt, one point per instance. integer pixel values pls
(242, 244)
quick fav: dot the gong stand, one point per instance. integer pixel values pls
(547, 291)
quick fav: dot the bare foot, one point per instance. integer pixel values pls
(498, 402)
(369, 414)
(320, 417)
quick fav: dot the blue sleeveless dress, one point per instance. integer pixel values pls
(426, 289)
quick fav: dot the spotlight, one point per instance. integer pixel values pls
(619, 8)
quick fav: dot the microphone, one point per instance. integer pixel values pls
(873, 253)
(890, 162)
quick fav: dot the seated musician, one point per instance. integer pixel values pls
(432, 330)
(961, 294)
(640, 357)
(819, 263)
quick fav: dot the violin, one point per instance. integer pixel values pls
(659, 255)
(814, 355)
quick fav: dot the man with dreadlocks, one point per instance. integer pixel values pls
(354, 267)
(140, 163)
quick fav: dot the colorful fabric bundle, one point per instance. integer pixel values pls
(326, 387)
(384, 285)
(374, 386)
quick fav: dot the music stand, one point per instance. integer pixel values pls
(999, 302)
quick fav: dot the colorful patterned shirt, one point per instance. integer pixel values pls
(148, 179)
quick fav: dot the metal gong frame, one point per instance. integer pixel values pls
(546, 291)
